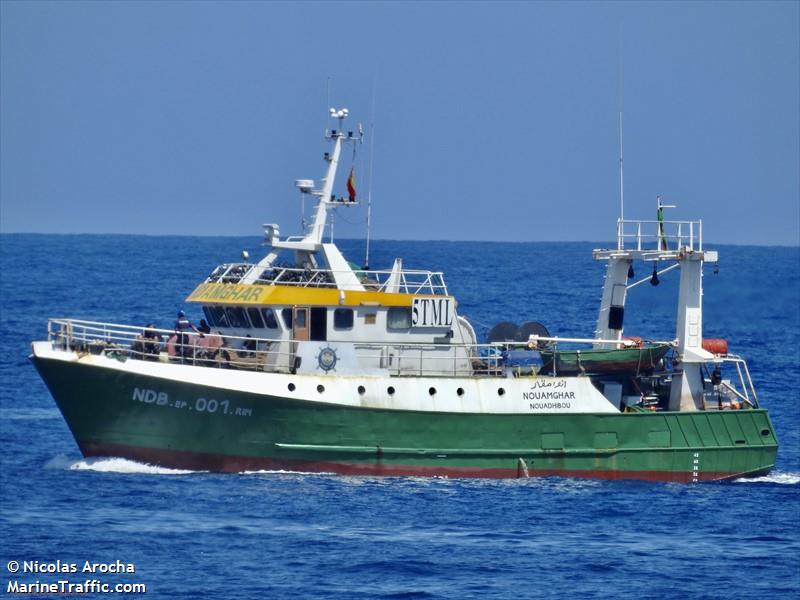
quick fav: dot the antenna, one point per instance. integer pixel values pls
(369, 188)
(621, 152)
(660, 205)
(327, 101)
(621, 179)
(302, 212)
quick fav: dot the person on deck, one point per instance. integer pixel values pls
(249, 347)
(182, 326)
(152, 341)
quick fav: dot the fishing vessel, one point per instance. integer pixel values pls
(311, 363)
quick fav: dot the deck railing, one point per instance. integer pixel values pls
(748, 390)
(277, 355)
(407, 282)
(659, 235)
(270, 355)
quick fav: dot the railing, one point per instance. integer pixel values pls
(271, 355)
(408, 282)
(277, 355)
(150, 343)
(654, 235)
(748, 393)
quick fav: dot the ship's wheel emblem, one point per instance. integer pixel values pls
(327, 359)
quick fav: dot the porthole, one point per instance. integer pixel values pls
(291, 387)
(765, 432)
(320, 388)
(501, 392)
(361, 390)
(390, 390)
(460, 392)
(432, 391)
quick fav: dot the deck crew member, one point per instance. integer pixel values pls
(152, 341)
(182, 326)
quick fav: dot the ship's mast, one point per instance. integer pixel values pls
(312, 239)
(320, 218)
(657, 242)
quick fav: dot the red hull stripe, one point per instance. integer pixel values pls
(199, 461)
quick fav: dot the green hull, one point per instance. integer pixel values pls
(183, 425)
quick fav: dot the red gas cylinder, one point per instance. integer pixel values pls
(715, 345)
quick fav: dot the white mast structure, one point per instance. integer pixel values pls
(311, 243)
(325, 195)
(678, 242)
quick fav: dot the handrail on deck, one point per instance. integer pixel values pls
(410, 281)
(746, 382)
(646, 235)
(278, 355)
(124, 341)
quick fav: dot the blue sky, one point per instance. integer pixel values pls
(493, 121)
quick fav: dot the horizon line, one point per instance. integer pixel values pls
(189, 235)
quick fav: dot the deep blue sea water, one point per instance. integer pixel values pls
(288, 535)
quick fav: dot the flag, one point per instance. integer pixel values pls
(351, 184)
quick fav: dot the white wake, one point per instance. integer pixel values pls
(282, 472)
(28, 414)
(776, 477)
(111, 465)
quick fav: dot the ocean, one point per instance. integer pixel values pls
(291, 535)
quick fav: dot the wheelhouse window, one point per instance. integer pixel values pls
(236, 317)
(269, 318)
(343, 318)
(218, 317)
(286, 313)
(398, 317)
(255, 317)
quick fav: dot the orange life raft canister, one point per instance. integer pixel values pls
(715, 345)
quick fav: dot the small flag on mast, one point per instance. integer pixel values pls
(351, 185)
